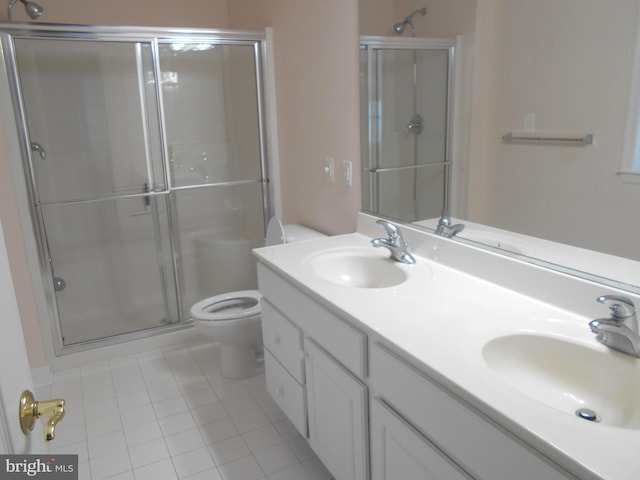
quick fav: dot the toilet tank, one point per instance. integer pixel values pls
(225, 262)
(277, 233)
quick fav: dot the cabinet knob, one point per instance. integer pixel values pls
(280, 391)
(276, 339)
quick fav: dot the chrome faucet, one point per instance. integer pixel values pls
(620, 331)
(445, 229)
(395, 243)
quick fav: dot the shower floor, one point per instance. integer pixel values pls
(168, 414)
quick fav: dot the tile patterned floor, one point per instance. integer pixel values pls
(168, 414)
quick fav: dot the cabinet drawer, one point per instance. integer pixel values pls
(474, 442)
(344, 342)
(287, 393)
(283, 340)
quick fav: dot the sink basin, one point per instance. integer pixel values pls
(358, 268)
(569, 376)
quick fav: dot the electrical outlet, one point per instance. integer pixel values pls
(329, 169)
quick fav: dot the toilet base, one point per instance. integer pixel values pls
(238, 362)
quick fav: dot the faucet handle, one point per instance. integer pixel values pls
(445, 219)
(392, 230)
(620, 306)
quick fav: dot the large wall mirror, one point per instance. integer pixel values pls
(553, 69)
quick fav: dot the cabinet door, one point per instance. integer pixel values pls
(337, 409)
(399, 452)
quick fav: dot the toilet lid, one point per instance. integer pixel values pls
(228, 306)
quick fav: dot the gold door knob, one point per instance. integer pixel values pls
(31, 410)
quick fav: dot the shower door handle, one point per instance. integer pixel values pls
(36, 147)
(146, 200)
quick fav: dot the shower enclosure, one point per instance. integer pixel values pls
(406, 87)
(144, 156)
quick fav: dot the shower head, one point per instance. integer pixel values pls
(399, 27)
(33, 9)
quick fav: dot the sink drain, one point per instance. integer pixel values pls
(587, 414)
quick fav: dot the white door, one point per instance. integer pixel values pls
(15, 374)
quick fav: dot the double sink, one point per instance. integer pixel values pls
(554, 362)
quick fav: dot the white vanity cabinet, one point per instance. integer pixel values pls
(452, 432)
(315, 367)
(399, 451)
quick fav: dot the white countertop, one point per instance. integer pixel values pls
(440, 318)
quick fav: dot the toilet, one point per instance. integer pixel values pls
(233, 319)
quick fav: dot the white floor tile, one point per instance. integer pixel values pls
(127, 386)
(100, 408)
(243, 469)
(109, 465)
(137, 416)
(133, 400)
(239, 403)
(219, 430)
(274, 459)
(103, 425)
(162, 470)
(170, 406)
(211, 474)
(164, 390)
(262, 438)
(190, 463)
(168, 414)
(128, 475)
(147, 453)
(231, 389)
(184, 441)
(248, 420)
(295, 472)
(69, 434)
(286, 429)
(143, 433)
(209, 413)
(177, 423)
(106, 444)
(229, 450)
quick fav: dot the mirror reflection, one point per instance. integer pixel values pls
(555, 70)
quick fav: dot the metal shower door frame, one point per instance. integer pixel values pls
(373, 45)
(138, 36)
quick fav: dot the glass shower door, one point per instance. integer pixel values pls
(98, 183)
(405, 105)
(210, 94)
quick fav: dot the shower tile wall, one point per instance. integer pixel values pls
(168, 414)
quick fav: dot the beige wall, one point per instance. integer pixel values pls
(311, 124)
(318, 110)
(183, 13)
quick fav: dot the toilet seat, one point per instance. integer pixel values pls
(228, 306)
